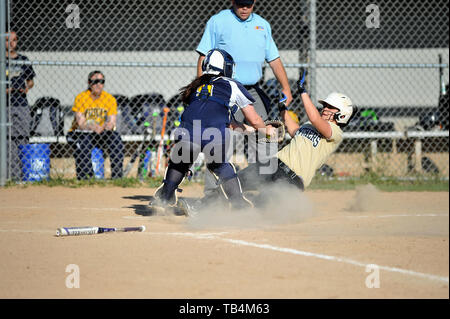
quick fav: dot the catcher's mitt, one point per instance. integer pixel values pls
(280, 132)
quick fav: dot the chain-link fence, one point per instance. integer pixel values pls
(391, 57)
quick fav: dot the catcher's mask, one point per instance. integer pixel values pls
(218, 62)
(346, 109)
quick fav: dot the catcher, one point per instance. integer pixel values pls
(311, 145)
(211, 100)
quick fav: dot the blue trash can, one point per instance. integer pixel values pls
(98, 163)
(35, 160)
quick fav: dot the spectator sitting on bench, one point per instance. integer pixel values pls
(94, 126)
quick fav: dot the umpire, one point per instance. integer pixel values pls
(247, 37)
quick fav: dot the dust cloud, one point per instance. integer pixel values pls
(367, 198)
(278, 204)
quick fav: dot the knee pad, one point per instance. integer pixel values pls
(222, 171)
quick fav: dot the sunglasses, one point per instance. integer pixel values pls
(97, 81)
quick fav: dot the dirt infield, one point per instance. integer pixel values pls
(326, 244)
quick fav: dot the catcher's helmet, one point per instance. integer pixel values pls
(218, 62)
(343, 103)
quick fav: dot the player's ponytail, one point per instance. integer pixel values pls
(186, 91)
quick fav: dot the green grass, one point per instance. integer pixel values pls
(74, 183)
(387, 184)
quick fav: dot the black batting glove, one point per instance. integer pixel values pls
(301, 81)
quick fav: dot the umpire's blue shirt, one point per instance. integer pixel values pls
(248, 41)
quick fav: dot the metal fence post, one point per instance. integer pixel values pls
(3, 119)
(312, 55)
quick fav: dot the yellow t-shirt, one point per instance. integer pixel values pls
(94, 110)
(309, 150)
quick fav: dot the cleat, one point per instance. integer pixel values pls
(164, 208)
(241, 203)
(159, 206)
(187, 208)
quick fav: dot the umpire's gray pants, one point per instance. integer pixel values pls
(257, 151)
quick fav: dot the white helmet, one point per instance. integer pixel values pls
(343, 103)
(218, 62)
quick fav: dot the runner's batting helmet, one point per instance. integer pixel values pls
(345, 106)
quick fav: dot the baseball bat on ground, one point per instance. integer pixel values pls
(91, 230)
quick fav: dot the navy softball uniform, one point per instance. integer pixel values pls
(203, 129)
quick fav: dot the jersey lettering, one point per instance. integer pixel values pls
(310, 134)
(96, 114)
